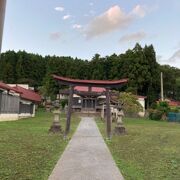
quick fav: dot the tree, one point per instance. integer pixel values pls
(130, 103)
(138, 65)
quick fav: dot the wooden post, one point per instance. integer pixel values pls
(2, 17)
(108, 114)
(68, 121)
(162, 91)
(102, 112)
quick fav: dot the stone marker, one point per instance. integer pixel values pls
(56, 127)
(119, 128)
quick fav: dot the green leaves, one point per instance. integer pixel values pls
(138, 64)
(130, 103)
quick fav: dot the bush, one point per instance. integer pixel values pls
(161, 111)
(175, 110)
(130, 104)
(155, 114)
(163, 106)
(63, 103)
(154, 105)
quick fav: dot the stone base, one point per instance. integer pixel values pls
(55, 129)
(120, 130)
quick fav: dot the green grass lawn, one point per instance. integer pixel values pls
(150, 150)
(27, 150)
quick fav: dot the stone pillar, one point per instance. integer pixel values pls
(56, 127)
(119, 128)
(2, 17)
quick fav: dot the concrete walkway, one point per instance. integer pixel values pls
(86, 157)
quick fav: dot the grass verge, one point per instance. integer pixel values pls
(27, 150)
(150, 150)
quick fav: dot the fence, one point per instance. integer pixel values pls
(174, 117)
(9, 104)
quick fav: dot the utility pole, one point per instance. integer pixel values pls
(162, 91)
(2, 17)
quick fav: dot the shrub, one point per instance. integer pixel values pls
(130, 103)
(175, 110)
(63, 103)
(155, 114)
(160, 112)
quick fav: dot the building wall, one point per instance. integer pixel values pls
(27, 109)
(14, 108)
(9, 117)
(142, 102)
(9, 104)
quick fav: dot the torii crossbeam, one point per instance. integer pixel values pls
(107, 84)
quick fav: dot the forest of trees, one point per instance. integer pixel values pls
(138, 64)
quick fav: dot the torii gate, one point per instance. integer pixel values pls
(74, 82)
(90, 83)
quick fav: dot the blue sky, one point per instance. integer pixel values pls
(81, 28)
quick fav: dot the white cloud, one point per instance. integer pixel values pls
(55, 36)
(68, 16)
(133, 37)
(91, 4)
(114, 18)
(139, 11)
(77, 26)
(60, 8)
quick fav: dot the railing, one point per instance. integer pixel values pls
(174, 117)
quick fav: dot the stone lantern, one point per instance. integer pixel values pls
(56, 127)
(119, 128)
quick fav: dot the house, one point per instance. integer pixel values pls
(173, 103)
(141, 100)
(93, 99)
(84, 99)
(17, 102)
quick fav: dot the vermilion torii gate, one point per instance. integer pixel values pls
(90, 83)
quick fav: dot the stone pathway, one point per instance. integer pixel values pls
(86, 157)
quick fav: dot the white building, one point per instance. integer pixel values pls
(17, 102)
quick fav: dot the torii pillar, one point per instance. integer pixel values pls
(2, 17)
(69, 112)
(108, 114)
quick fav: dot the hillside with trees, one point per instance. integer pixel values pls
(138, 64)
